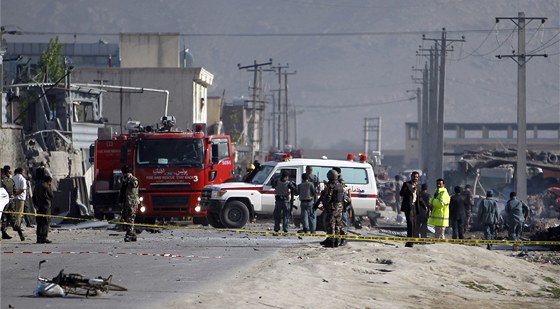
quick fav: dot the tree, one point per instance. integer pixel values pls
(51, 67)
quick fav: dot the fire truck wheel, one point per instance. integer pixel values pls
(234, 215)
(214, 220)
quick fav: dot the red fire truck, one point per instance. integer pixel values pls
(171, 166)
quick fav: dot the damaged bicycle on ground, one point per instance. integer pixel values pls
(77, 284)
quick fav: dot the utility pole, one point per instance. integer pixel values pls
(254, 121)
(431, 110)
(279, 114)
(425, 113)
(286, 123)
(437, 169)
(521, 58)
(372, 144)
(420, 124)
(425, 116)
(272, 122)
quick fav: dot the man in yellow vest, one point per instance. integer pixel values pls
(439, 203)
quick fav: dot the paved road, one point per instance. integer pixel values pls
(201, 257)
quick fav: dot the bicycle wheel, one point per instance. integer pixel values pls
(116, 287)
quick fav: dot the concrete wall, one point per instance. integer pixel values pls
(214, 109)
(149, 50)
(185, 85)
(11, 151)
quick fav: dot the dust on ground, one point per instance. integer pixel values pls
(373, 274)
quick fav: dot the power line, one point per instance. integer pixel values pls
(476, 49)
(360, 105)
(544, 45)
(492, 51)
(285, 34)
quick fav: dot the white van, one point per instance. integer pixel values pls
(233, 204)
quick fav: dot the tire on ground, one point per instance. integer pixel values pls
(214, 220)
(203, 220)
(234, 215)
(99, 215)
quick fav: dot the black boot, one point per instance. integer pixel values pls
(5, 235)
(324, 242)
(342, 241)
(335, 242)
(330, 243)
(20, 233)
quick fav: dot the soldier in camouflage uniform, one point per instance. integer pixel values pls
(347, 210)
(130, 201)
(332, 198)
(8, 184)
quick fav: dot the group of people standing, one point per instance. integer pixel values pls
(442, 210)
(334, 198)
(19, 190)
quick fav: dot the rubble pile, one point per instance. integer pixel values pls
(552, 233)
(541, 257)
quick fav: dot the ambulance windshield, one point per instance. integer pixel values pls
(261, 175)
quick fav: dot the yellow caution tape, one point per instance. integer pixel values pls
(353, 237)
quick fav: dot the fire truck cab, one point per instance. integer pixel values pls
(172, 168)
(233, 204)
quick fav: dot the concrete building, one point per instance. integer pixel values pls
(143, 60)
(214, 115)
(150, 50)
(187, 94)
(21, 59)
(459, 137)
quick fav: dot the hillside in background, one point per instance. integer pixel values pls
(353, 58)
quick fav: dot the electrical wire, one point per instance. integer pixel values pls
(286, 34)
(479, 46)
(544, 46)
(360, 105)
(490, 52)
(534, 33)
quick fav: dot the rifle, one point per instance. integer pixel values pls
(292, 207)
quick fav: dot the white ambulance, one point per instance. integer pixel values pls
(233, 204)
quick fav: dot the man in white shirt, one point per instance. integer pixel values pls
(20, 196)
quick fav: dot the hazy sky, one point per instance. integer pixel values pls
(353, 58)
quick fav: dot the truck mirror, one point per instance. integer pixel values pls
(215, 153)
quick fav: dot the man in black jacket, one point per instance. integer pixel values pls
(411, 204)
(42, 198)
(457, 213)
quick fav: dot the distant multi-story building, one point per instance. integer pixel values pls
(460, 137)
(140, 60)
(21, 59)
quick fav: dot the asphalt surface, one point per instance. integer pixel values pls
(174, 263)
(165, 264)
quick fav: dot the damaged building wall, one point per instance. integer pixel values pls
(11, 152)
